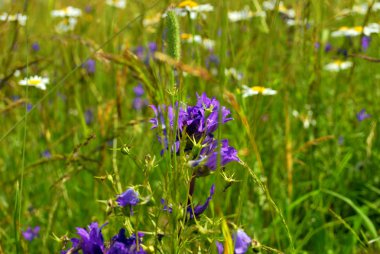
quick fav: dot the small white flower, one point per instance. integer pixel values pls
(21, 19)
(372, 28)
(362, 9)
(152, 20)
(66, 24)
(338, 66)
(232, 72)
(17, 73)
(206, 43)
(117, 3)
(244, 14)
(36, 81)
(255, 90)
(307, 118)
(271, 5)
(69, 11)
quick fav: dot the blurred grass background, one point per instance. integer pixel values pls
(324, 179)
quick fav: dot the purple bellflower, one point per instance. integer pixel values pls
(88, 116)
(90, 241)
(241, 243)
(138, 90)
(219, 247)
(362, 115)
(128, 198)
(167, 208)
(122, 245)
(199, 209)
(209, 156)
(35, 47)
(366, 40)
(46, 154)
(31, 233)
(328, 47)
(89, 65)
(139, 102)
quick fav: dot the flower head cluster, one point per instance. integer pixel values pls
(146, 54)
(195, 126)
(91, 241)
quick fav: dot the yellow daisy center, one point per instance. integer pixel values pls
(338, 62)
(185, 36)
(282, 8)
(358, 29)
(343, 28)
(258, 89)
(187, 3)
(34, 82)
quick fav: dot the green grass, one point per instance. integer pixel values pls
(297, 190)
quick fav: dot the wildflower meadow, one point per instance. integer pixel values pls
(136, 126)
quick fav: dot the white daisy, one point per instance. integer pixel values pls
(244, 14)
(117, 3)
(271, 5)
(193, 8)
(21, 19)
(255, 90)
(36, 81)
(67, 12)
(343, 31)
(338, 65)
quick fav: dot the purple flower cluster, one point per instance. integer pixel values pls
(91, 241)
(196, 125)
(146, 53)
